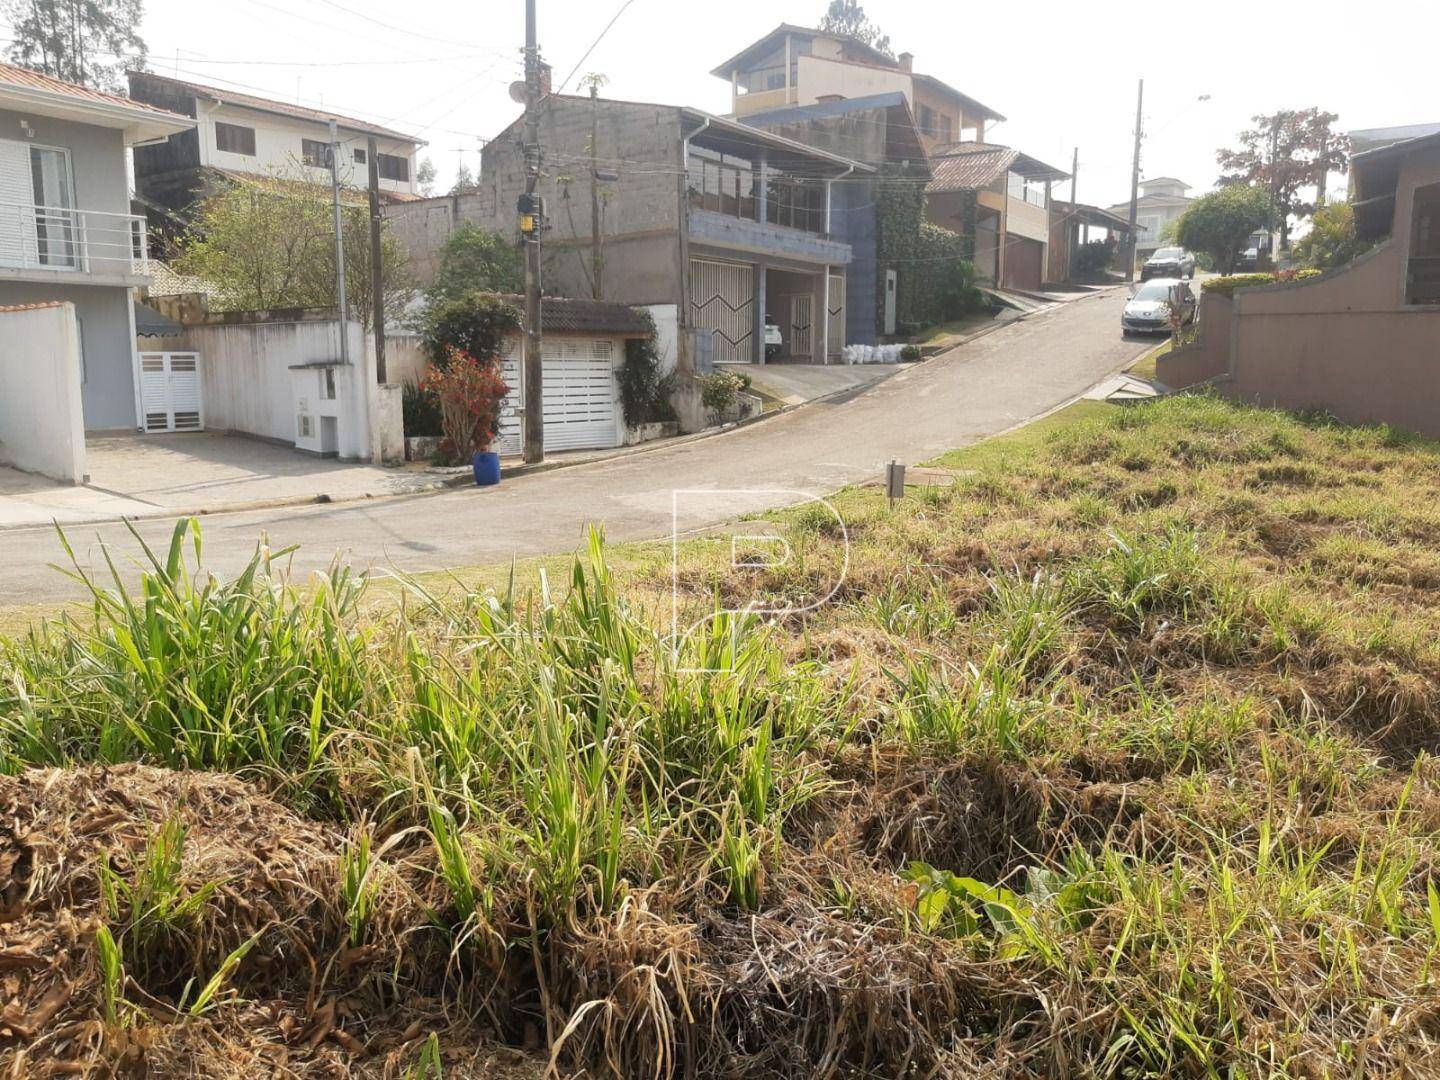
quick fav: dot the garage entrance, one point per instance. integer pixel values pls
(581, 397)
(1024, 263)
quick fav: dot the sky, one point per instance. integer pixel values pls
(1064, 74)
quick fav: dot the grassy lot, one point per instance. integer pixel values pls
(1144, 368)
(1113, 760)
(946, 332)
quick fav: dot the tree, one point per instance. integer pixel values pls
(90, 42)
(1286, 151)
(1218, 224)
(465, 182)
(474, 260)
(1331, 240)
(847, 17)
(271, 244)
(425, 177)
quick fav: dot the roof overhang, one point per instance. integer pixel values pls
(766, 42)
(139, 124)
(969, 104)
(717, 132)
(1035, 169)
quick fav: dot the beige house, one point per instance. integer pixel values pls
(798, 65)
(1361, 342)
(1162, 200)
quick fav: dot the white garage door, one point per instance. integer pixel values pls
(170, 391)
(580, 396)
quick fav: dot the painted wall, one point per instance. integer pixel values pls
(97, 157)
(277, 146)
(1209, 356)
(1028, 220)
(107, 359)
(41, 424)
(820, 78)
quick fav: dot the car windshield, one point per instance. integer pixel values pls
(1169, 253)
(1153, 290)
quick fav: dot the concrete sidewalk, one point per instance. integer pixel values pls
(203, 473)
(795, 384)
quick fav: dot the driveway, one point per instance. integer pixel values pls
(136, 475)
(985, 387)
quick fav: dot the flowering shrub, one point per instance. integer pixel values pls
(719, 389)
(471, 395)
(1226, 286)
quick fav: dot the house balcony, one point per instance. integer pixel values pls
(72, 247)
(714, 229)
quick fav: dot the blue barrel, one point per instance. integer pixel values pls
(487, 468)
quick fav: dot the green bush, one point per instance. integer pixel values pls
(719, 390)
(910, 353)
(644, 394)
(1095, 257)
(420, 411)
(1227, 286)
(476, 325)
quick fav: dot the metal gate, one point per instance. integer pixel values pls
(722, 302)
(837, 315)
(579, 394)
(801, 322)
(170, 397)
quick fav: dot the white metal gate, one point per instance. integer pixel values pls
(579, 395)
(722, 302)
(170, 398)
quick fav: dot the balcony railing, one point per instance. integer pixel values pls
(82, 241)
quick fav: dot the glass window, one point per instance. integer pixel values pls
(235, 139)
(359, 156)
(315, 153)
(55, 224)
(393, 168)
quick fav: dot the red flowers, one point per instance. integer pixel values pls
(471, 396)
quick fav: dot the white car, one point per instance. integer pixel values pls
(1148, 311)
(773, 339)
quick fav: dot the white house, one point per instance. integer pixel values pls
(1162, 200)
(240, 135)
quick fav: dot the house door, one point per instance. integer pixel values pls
(802, 309)
(170, 392)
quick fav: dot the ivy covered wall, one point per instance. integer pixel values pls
(935, 267)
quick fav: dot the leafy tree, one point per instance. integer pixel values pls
(848, 17)
(1218, 224)
(90, 42)
(473, 260)
(465, 182)
(271, 244)
(1291, 149)
(475, 325)
(425, 177)
(1331, 240)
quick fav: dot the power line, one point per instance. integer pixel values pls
(595, 44)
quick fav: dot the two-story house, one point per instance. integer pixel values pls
(1161, 201)
(1000, 198)
(723, 222)
(798, 65)
(238, 137)
(66, 231)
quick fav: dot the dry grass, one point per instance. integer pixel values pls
(1115, 759)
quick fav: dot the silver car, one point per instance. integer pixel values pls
(1148, 311)
(1169, 262)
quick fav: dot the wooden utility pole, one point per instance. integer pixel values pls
(340, 299)
(1320, 181)
(1274, 176)
(534, 376)
(596, 260)
(1135, 183)
(377, 276)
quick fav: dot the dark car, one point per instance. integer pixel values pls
(1148, 311)
(1248, 260)
(1169, 262)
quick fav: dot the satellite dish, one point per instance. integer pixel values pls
(517, 91)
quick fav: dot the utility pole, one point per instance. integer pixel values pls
(534, 368)
(1073, 226)
(595, 261)
(377, 277)
(1135, 183)
(339, 244)
(1274, 176)
(1320, 181)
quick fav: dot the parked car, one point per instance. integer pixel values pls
(773, 339)
(1148, 311)
(1249, 261)
(1169, 262)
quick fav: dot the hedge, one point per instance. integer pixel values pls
(1227, 286)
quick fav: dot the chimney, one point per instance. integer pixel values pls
(907, 61)
(546, 71)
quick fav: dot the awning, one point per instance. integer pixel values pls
(150, 323)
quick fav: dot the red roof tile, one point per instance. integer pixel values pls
(41, 306)
(34, 80)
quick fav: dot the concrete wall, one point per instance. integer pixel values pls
(1209, 356)
(250, 384)
(405, 359)
(424, 225)
(41, 425)
(820, 77)
(107, 341)
(641, 215)
(1026, 219)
